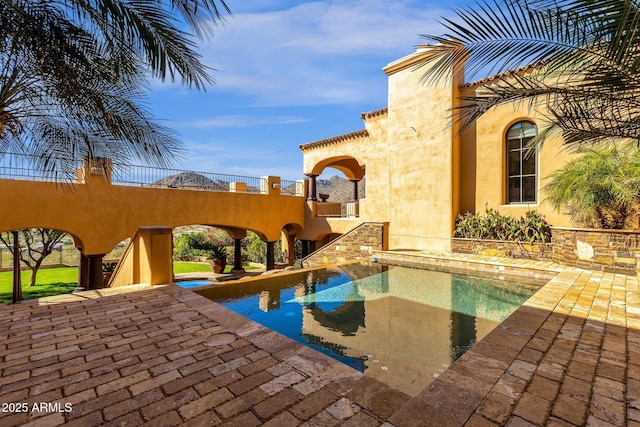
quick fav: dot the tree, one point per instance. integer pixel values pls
(581, 57)
(600, 188)
(72, 73)
(39, 242)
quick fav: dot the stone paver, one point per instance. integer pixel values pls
(160, 356)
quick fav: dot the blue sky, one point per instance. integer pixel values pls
(288, 73)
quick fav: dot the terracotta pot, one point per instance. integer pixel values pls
(218, 265)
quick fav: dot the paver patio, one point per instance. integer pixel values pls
(166, 356)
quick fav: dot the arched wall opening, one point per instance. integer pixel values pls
(46, 263)
(337, 179)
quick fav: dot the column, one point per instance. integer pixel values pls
(312, 246)
(312, 188)
(271, 263)
(291, 248)
(237, 256)
(95, 271)
(17, 279)
(305, 248)
(83, 272)
(355, 190)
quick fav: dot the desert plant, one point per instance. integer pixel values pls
(600, 188)
(494, 226)
(73, 76)
(592, 44)
(217, 252)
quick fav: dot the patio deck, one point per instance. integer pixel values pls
(166, 356)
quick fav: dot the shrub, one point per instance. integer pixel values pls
(531, 228)
(191, 246)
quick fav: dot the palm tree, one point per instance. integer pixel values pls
(73, 74)
(600, 188)
(581, 57)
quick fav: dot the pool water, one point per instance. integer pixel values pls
(402, 326)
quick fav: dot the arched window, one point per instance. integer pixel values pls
(522, 166)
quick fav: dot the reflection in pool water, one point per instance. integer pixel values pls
(402, 326)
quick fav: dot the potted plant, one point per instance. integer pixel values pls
(218, 258)
(108, 267)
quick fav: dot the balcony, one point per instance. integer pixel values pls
(338, 210)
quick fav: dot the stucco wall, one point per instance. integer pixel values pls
(422, 194)
(100, 215)
(410, 155)
(421, 172)
(490, 162)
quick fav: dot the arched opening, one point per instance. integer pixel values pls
(37, 262)
(338, 185)
(245, 249)
(337, 180)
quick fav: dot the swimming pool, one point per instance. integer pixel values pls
(402, 326)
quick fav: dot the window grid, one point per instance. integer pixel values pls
(521, 168)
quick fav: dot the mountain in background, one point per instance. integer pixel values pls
(339, 189)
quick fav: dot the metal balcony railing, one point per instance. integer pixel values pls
(26, 167)
(146, 176)
(291, 188)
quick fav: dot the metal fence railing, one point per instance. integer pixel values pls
(291, 188)
(146, 176)
(65, 255)
(25, 167)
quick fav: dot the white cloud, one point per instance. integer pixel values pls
(222, 156)
(314, 53)
(239, 121)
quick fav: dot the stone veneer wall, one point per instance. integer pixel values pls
(605, 250)
(356, 244)
(538, 251)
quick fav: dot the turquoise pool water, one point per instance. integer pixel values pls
(402, 326)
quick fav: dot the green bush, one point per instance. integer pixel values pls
(532, 228)
(194, 246)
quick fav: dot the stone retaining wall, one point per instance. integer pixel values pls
(356, 244)
(537, 251)
(613, 251)
(605, 250)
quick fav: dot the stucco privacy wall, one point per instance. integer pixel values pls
(356, 244)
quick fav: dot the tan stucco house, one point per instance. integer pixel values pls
(421, 172)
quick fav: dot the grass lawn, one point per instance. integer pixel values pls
(50, 281)
(63, 280)
(180, 267)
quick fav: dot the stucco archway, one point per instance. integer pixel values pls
(348, 165)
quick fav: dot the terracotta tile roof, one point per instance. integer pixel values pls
(375, 113)
(335, 140)
(491, 79)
